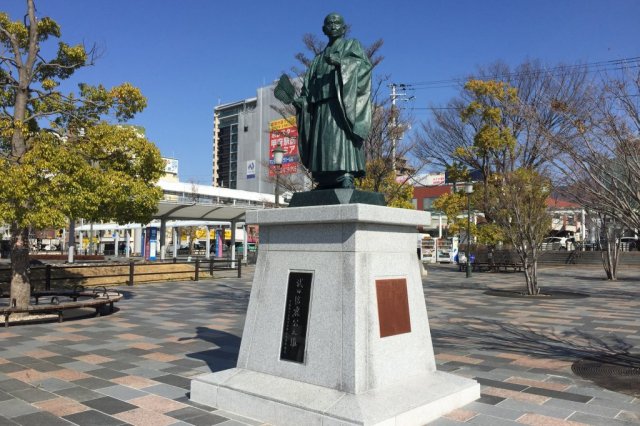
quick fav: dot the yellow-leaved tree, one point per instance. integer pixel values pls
(60, 157)
(379, 178)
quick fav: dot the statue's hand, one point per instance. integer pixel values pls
(332, 60)
(297, 103)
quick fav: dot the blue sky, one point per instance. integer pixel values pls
(189, 55)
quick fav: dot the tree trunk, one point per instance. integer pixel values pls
(531, 279)
(534, 276)
(610, 260)
(530, 266)
(20, 273)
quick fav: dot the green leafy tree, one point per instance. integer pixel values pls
(454, 206)
(508, 196)
(512, 198)
(380, 179)
(518, 206)
(494, 143)
(59, 158)
(541, 91)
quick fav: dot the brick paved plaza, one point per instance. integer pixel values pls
(134, 366)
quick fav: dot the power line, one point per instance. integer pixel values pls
(600, 66)
(545, 70)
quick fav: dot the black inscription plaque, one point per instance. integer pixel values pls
(296, 316)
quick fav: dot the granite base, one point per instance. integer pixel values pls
(284, 402)
(356, 369)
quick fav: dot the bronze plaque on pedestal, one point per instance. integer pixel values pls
(393, 306)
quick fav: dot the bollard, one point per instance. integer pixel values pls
(175, 259)
(240, 267)
(197, 275)
(131, 271)
(47, 277)
(211, 267)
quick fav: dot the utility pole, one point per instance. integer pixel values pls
(394, 114)
(394, 125)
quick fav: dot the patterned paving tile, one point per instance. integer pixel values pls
(134, 367)
(142, 417)
(93, 359)
(15, 408)
(93, 418)
(157, 403)
(135, 382)
(39, 419)
(109, 405)
(61, 406)
(538, 419)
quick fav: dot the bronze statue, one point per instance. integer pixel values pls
(333, 109)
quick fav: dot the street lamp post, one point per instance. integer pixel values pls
(468, 189)
(278, 154)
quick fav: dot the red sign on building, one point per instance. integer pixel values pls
(284, 132)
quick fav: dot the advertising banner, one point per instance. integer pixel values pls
(151, 243)
(285, 133)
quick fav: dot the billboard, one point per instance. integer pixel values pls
(285, 133)
(171, 166)
(435, 179)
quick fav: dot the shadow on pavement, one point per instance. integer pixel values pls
(567, 345)
(224, 352)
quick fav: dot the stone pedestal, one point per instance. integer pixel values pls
(336, 331)
(325, 197)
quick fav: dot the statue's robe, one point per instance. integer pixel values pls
(335, 114)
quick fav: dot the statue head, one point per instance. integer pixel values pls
(334, 26)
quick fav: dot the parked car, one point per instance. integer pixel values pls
(554, 243)
(182, 248)
(629, 243)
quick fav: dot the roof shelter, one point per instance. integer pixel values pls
(177, 214)
(204, 213)
(168, 210)
(185, 201)
(187, 204)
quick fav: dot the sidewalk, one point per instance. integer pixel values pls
(134, 367)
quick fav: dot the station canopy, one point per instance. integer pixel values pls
(168, 210)
(177, 214)
(187, 204)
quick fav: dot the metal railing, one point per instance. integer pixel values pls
(122, 273)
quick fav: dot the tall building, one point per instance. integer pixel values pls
(244, 135)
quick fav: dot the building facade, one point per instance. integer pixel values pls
(243, 141)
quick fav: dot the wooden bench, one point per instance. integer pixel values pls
(482, 262)
(96, 300)
(504, 260)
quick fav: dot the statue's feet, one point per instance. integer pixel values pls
(331, 181)
(346, 181)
